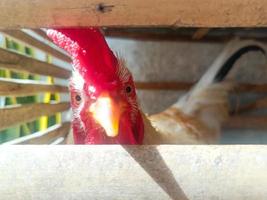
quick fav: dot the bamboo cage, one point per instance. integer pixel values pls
(121, 172)
(18, 114)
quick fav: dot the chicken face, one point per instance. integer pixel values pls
(106, 113)
(103, 96)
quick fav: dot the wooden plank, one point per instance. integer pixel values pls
(11, 87)
(14, 61)
(163, 85)
(159, 35)
(242, 87)
(215, 35)
(175, 13)
(248, 87)
(246, 122)
(257, 104)
(44, 137)
(133, 172)
(18, 114)
(24, 37)
(41, 33)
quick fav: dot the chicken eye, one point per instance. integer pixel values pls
(128, 89)
(78, 98)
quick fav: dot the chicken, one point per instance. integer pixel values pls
(104, 99)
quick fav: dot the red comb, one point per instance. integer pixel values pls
(88, 48)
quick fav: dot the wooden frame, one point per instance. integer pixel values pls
(18, 114)
(178, 86)
(44, 137)
(13, 115)
(26, 38)
(208, 13)
(14, 61)
(11, 87)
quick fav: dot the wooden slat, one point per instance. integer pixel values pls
(24, 37)
(257, 104)
(163, 85)
(242, 87)
(207, 13)
(215, 35)
(247, 87)
(41, 33)
(17, 87)
(246, 122)
(133, 172)
(22, 87)
(14, 61)
(13, 115)
(158, 36)
(44, 137)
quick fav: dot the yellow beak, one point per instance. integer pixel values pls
(107, 113)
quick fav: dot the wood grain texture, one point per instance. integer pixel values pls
(257, 104)
(14, 61)
(44, 137)
(191, 13)
(160, 85)
(26, 88)
(184, 34)
(13, 115)
(246, 122)
(153, 35)
(133, 172)
(24, 37)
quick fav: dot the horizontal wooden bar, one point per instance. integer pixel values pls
(13, 115)
(174, 13)
(215, 35)
(133, 172)
(44, 137)
(246, 122)
(154, 36)
(14, 61)
(24, 37)
(11, 87)
(41, 33)
(257, 104)
(161, 85)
